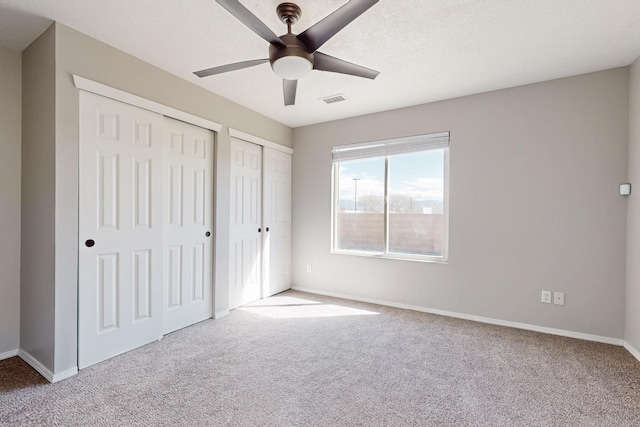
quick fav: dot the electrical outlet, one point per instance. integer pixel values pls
(558, 298)
(309, 268)
(546, 297)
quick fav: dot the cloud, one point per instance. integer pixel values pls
(421, 188)
(368, 184)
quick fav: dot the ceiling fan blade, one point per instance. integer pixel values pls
(316, 35)
(229, 67)
(289, 88)
(324, 62)
(245, 16)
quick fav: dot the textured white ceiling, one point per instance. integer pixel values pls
(426, 50)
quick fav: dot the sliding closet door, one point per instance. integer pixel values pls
(277, 221)
(189, 219)
(246, 223)
(120, 228)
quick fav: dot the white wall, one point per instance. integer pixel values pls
(534, 205)
(10, 143)
(632, 321)
(37, 290)
(76, 53)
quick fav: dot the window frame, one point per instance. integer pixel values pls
(386, 254)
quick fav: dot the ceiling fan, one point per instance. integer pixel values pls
(294, 56)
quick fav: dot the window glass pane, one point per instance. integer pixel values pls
(360, 205)
(416, 203)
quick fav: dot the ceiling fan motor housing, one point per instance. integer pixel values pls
(291, 61)
(289, 13)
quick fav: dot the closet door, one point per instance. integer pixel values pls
(189, 222)
(120, 228)
(246, 223)
(277, 221)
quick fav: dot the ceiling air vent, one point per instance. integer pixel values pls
(334, 98)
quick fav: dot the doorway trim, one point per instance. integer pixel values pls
(137, 101)
(235, 133)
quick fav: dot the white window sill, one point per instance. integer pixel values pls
(396, 257)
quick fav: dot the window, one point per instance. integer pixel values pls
(390, 198)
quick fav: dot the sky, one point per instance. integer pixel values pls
(416, 175)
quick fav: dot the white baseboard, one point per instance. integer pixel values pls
(35, 364)
(498, 322)
(42, 370)
(8, 354)
(632, 350)
(65, 374)
(220, 314)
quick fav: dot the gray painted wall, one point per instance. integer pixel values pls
(10, 146)
(632, 323)
(76, 53)
(534, 204)
(37, 289)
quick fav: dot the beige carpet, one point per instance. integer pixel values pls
(304, 360)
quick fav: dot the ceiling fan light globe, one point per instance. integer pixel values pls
(292, 67)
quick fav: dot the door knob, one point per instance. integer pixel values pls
(207, 234)
(259, 230)
(89, 243)
(266, 229)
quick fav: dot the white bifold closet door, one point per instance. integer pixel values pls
(189, 221)
(276, 221)
(260, 233)
(145, 208)
(246, 223)
(121, 228)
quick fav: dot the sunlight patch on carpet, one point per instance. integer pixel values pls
(292, 308)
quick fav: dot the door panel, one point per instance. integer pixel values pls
(142, 284)
(120, 229)
(277, 220)
(246, 217)
(188, 289)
